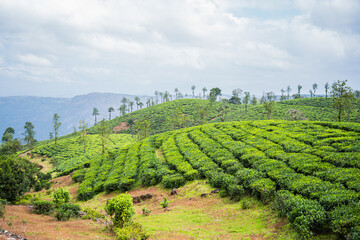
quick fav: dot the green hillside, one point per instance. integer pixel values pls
(193, 112)
(309, 171)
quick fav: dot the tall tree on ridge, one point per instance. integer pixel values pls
(95, 113)
(326, 89)
(137, 100)
(82, 128)
(204, 92)
(193, 89)
(111, 109)
(246, 100)
(29, 134)
(56, 125)
(176, 93)
(288, 90)
(343, 97)
(315, 88)
(283, 97)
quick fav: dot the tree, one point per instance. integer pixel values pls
(131, 104)
(130, 123)
(269, 104)
(204, 92)
(161, 94)
(8, 135)
(95, 113)
(246, 100)
(315, 88)
(288, 90)
(29, 134)
(143, 128)
(111, 109)
(121, 207)
(56, 125)
(326, 89)
(343, 97)
(193, 90)
(214, 93)
(104, 132)
(141, 104)
(298, 95)
(137, 101)
(83, 133)
(254, 100)
(17, 176)
(311, 93)
(357, 95)
(61, 196)
(51, 135)
(176, 93)
(156, 96)
(235, 99)
(10, 145)
(201, 114)
(283, 97)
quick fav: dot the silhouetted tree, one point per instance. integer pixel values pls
(315, 88)
(193, 89)
(204, 92)
(111, 109)
(326, 89)
(95, 113)
(29, 134)
(288, 90)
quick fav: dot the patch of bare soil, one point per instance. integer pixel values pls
(121, 127)
(20, 220)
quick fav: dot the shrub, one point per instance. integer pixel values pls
(164, 203)
(122, 208)
(92, 214)
(245, 204)
(236, 192)
(67, 211)
(79, 175)
(146, 211)
(61, 196)
(130, 230)
(43, 207)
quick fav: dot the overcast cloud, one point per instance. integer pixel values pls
(66, 48)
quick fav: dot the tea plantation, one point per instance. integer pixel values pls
(309, 171)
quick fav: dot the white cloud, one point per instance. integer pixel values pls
(35, 60)
(178, 41)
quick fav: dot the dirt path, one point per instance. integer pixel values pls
(42, 161)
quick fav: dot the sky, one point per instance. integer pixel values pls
(65, 48)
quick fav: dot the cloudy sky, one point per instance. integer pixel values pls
(65, 48)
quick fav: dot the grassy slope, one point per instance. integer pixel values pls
(314, 109)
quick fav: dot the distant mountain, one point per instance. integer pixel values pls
(15, 111)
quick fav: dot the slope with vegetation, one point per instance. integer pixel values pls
(310, 171)
(192, 112)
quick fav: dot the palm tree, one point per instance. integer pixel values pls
(137, 100)
(204, 91)
(95, 113)
(193, 89)
(176, 93)
(111, 109)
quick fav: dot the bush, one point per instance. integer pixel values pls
(236, 192)
(146, 211)
(164, 203)
(43, 207)
(132, 231)
(61, 196)
(122, 208)
(67, 211)
(92, 214)
(245, 204)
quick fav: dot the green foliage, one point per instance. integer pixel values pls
(66, 211)
(92, 214)
(173, 181)
(61, 196)
(146, 211)
(164, 203)
(3, 202)
(121, 209)
(17, 176)
(129, 231)
(43, 207)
